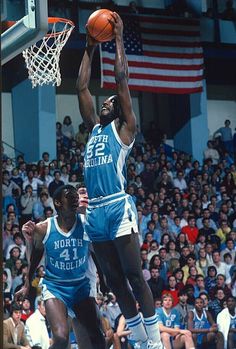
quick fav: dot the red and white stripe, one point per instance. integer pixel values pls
(172, 60)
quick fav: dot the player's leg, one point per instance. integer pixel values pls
(129, 253)
(88, 332)
(109, 260)
(165, 337)
(183, 341)
(128, 249)
(57, 317)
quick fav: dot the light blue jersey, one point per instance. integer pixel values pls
(66, 260)
(111, 212)
(171, 320)
(104, 162)
(200, 322)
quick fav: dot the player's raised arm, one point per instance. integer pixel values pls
(85, 99)
(128, 120)
(35, 254)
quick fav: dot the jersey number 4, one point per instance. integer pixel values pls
(66, 255)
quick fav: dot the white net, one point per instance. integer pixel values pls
(42, 59)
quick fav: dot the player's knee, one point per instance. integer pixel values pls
(60, 340)
(188, 334)
(165, 336)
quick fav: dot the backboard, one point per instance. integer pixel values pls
(27, 30)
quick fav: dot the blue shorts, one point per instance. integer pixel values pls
(111, 220)
(69, 293)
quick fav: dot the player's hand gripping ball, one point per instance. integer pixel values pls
(99, 25)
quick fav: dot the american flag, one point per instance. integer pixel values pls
(164, 55)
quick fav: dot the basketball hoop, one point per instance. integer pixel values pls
(42, 58)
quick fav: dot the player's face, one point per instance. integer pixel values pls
(108, 111)
(70, 200)
(167, 303)
(231, 303)
(199, 304)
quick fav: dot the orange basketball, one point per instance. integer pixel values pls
(99, 27)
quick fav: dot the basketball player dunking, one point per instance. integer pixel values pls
(111, 214)
(65, 287)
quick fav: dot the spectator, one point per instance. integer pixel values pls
(211, 153)
(6, 288)
(67, 131)
(202, 262)
(35, 282)
(206, 230)
(203, 327)
(18, 241)
(220, 266)
(191, 230)
(26, 310)
(35, 183)
(183, 309)
(27, 202)
(36, 328)
(56, 183)
(7, 236)
(191, 261)
(13, 330)
(21, 272)
(8, 189)
(113, 309)
(226, 321)
(226, 136)
(220, 283)
(199, 286)
(15, 177)
(14, 257)
(179, 181)
(39, 206)
(169, 325)
(171, 288)
(156, 283)
(45, 176)
(217, 304)
(46, 158)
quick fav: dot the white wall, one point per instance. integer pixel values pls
(68, 105)
(218, 112)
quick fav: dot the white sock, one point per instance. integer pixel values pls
(136, 325)
(152, 328)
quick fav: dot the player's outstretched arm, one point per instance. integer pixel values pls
(35, 252)
(128, 124)
(85, 99)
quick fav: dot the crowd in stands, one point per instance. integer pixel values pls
(187, 232)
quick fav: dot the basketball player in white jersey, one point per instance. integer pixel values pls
(111, 214)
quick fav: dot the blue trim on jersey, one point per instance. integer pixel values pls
(170, 320)
(66, 253)
(105, 162)
(200, 323)
(99, 202)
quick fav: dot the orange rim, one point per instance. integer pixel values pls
(51, 20)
